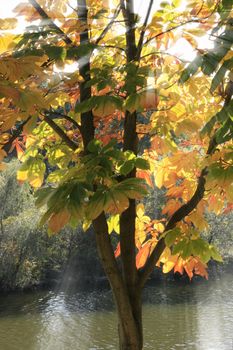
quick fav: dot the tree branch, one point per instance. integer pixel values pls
(60, 132)
(44, 15)
(66, 117)
(87, 119)
(164, 53)
(140, 42)
(109, 25)
(113, 47)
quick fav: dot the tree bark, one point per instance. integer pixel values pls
(128, 305)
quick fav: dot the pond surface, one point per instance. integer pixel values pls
(190, 317)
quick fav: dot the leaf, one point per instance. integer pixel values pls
(113, 224)
(118, 202)
(32, 170)
(55, 52)
(58, 221)
(8, 23)
(219, 76)
(209, 63)
(179, 247)
(191, 69)
(215, 254)
(132, 103)
(6, 42)
(127, 167)
(133, 188)
(171, 236)
(94, 146)
(225, 133)
(106, 105)
(199, 246)
(143, 254)
(170, 263)
(142, 164)
(117, 251)
(97, 204)
(42, 195)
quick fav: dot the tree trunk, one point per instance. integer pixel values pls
(128, 301)
(125, 343)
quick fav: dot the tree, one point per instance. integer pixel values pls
(94, 141)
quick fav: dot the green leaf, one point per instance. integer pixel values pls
(224, 133)
(222, 116)
(127, 167)
(42, 195)
(55, 52)
(80, 51)
(219, 76)
(134, 188)
(132, 102)
(198, 246)
(142, 164)
(171, 236)
(178, 248)
(97, 204)
(85, 106)
(191, 69)
(209, 63)
(215, 254)
(94, 146)
(78, 194)
(187, 250)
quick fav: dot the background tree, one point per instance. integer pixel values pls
(95, 139)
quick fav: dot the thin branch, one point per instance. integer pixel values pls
(60, 132)
(112, 47)
(66, 117)
(194, 20)
(109, 25)
(164, 53)
(140, 42)
(44, 15)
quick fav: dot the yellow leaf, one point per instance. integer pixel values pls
(22, 175)
(8, 23)
(113, 224)
(6, 42)
(170, 263)
(159, 227)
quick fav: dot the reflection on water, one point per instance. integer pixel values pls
(188, 317)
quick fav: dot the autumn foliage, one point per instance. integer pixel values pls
(101, 111)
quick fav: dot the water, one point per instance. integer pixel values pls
(176, 317)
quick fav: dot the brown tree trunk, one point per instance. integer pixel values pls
(125, 343)
(128, 304)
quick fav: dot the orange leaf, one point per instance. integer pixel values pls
(179, 266)
(143, 254)
(117, 252)
(142, 174)
(58, 220)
